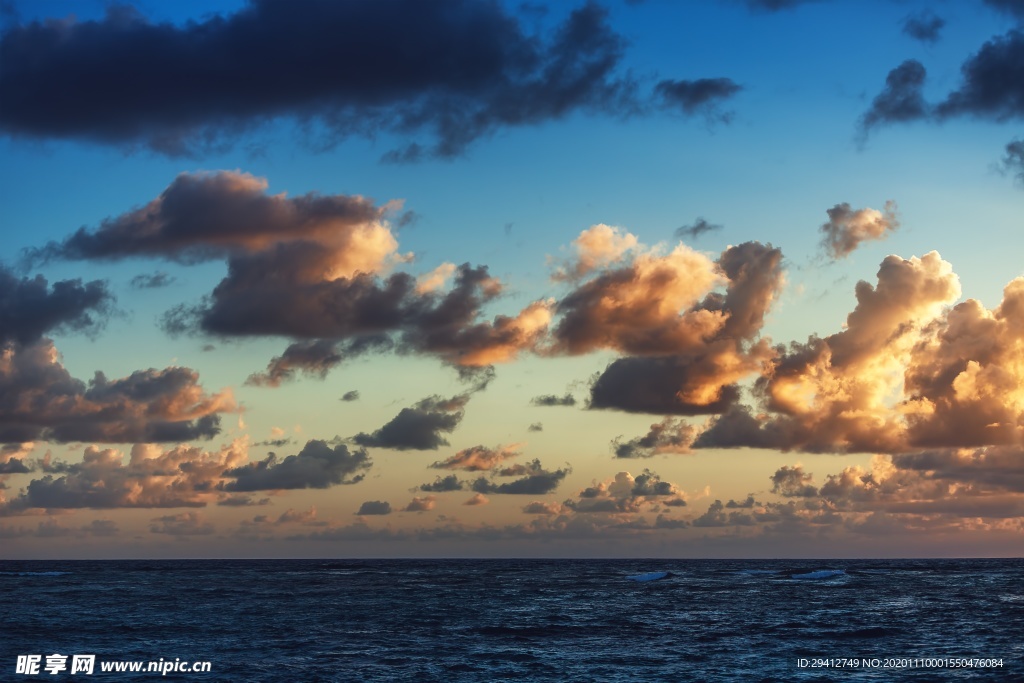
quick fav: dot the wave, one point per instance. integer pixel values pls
(33, 573)
(649, 576)
(820, 574)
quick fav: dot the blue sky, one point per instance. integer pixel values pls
(764, 135)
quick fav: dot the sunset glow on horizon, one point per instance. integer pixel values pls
(475, 279)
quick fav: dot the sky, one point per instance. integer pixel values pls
(453, 278)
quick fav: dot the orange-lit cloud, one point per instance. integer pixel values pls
(479, 458)
(477, 499)
(964, 380)
(598, 246)
(671, 372)
(847, 228)
(39, 399)
(315, 268)
(435, 279)
(486, 343)
(539, 507)
(421, 504)
(183, 476)
(643, 307)
(210, 215)
(847, 392)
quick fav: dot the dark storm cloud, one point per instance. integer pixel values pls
(702, 95)
(775, 5)
(924, 26)
(318, 466)
(14, 466)
(1012, 7)
(248, 302)
(375, 507)
(443, 484)
(536, 482)
(30, 307)
(991, 468)
(461, 70)
(663, 522)
(739, 428)
(992, 88)
(479, 377)
(154, 281)
(315, 359)
(312, 358)
(698, 228)
(667, 436)
(40, 400)
(1013, 161)
(901, 99)
(420, 427)
(242, 500)
(274, 443)
(552, 400)
(652, 385)
(793, 482)
(993, 82)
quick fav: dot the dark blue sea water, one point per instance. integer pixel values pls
(521, 620)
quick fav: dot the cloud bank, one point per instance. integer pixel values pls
(465, 70)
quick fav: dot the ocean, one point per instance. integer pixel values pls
(513, 620)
